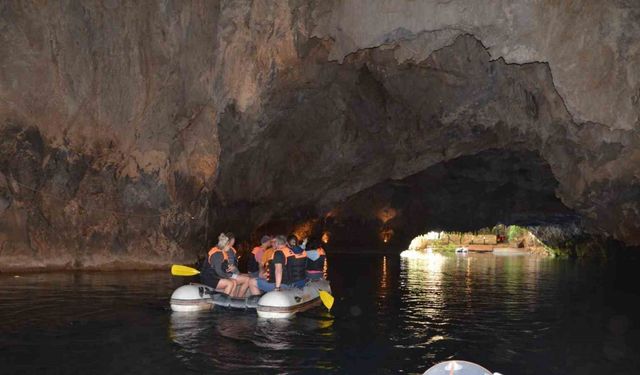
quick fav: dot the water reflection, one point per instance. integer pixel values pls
(236, 341)
(384, 278)
(515, 315)
(424, 299)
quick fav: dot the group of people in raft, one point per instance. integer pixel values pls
(278, 262)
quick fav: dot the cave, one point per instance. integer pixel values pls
(135, 149)
(461, 195)
(134, 133)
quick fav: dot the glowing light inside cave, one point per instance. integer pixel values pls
(386, 234)
(387, 214)
(304, 230)
(325, 237)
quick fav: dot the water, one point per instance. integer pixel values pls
(516, 315)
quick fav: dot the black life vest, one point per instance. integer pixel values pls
(296, 265)
(320, 263)
(207, 272)
(271, 267)
(253, 262)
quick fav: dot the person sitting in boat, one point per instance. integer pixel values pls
(294, 244)
(214, 269)
(292, 241)
(316, 260)
(266, 256)
(242, 280)
(276, 275)
(255, 263)
(296, 262)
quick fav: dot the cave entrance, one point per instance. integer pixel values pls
(469, 194)
(499, 237)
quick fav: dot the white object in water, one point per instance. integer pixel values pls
(462, 249)
(198, 297)
(457, 367)
(284, 304)
(192, 297)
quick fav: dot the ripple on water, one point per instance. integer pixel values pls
(392, 315)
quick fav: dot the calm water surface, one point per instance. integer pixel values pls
(513, 314)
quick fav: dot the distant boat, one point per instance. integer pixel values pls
(462, 250)
(473, 248)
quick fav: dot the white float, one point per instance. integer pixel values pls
(192, 297)
(286, 303)
(457, 367)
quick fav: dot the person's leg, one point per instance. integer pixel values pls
(253, 286)
(210, 281)
(235, 285)
(227, 285)
(243, 284)
(264, 285)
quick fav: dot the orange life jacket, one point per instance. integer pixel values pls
(214, 250)
(256, 253)
(270, 267)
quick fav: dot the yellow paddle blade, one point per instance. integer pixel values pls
(326, 298)
(178, 270)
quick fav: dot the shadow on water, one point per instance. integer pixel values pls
(515, 315)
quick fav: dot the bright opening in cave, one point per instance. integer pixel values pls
(494, 239)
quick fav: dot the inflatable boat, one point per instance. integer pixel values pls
(199, 297)
(457, 367)
(273, 305)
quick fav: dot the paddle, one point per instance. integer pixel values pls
(178, 270)
(326, 298)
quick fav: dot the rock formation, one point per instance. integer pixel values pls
(131, 133)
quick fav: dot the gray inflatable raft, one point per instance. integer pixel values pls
(199, 297)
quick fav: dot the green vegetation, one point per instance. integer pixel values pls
(444, 247)
(559, 242)
(514, 233)
(555, 252)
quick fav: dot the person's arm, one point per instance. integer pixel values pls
(278, 260)
(232, 260)
(278, 275)
(217, 260)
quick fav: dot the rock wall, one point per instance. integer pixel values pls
(131, 132)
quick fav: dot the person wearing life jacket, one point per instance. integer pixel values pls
(242, 280)
(296, 262)
(214, 269)
(255, 263)
(294, 244)
(276, 275)
(266, 256)
(316, 260)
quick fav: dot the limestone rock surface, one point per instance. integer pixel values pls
(131, 133)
